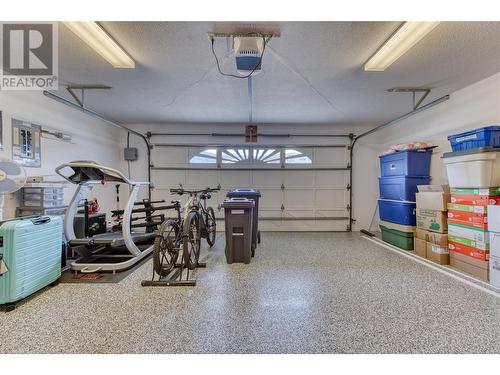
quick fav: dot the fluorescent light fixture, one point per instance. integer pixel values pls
(409, 34)
(100, 41)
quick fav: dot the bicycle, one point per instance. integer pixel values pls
(193, 222)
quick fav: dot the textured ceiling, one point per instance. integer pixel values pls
(312, 73)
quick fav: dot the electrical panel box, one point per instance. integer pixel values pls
(26, 143)
(130, 154)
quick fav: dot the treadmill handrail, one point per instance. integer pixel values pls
(99, 167)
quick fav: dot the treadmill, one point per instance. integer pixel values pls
(110, 251)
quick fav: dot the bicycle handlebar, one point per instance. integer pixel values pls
(182, 191)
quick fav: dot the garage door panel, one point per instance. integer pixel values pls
(163, 179)
(222, 194)
(298, 178)
(330, 225)
(201, 179)
(301, 226)
(298, 199)
(330, 198)
(271, 199)
(332, 213)
(297, 213)
(270, 226)
(337, 156)
(159, 194)
(164, 156)
(331, 178)
(235, 178)
(270, 213)
(270, 178)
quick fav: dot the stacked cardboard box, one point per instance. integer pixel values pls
(431, 238)
(494, 229)
(469, 238)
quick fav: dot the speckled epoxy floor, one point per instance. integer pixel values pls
(302, 293)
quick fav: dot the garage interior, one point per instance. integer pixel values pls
(298, 111)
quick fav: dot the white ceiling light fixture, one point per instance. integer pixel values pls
(405, 37)
(100, 41)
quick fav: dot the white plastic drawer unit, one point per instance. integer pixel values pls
(473, 169)
(44, 203)
(42, 197)
(43, 190)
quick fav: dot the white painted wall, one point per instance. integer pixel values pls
(92, 140)
(472, 107)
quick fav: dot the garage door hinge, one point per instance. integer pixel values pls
(348, 187)
(348, 166)
(282, 186)
(151, 165)
(282, 207)
(348, 207)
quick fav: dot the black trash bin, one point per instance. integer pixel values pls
(254, 195)
(238, 223)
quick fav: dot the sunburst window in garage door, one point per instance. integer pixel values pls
(293, 156)
(207, 156)
(266, 156)
(235, 155)
(252, 156)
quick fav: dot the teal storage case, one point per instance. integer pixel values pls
(30, 249)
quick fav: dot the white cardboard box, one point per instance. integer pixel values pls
(495, 259)
(495, 271)
(495, 244)
(494, 218)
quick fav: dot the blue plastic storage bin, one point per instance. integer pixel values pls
(488, 136)
(401, 188)
(406, 163)
(397, 212)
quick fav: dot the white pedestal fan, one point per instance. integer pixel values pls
(12, 178)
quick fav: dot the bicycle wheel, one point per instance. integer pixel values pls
(191, 240)
(211, 226)
(165, 251)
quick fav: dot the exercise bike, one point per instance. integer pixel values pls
(193, 221)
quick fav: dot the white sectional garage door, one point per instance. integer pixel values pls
(303, 188)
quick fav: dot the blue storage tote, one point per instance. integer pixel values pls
(398, 212)
(401, 188)
(30, 252)
(406, 163)
(488, 136)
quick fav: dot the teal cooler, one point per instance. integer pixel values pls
(30, 256)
